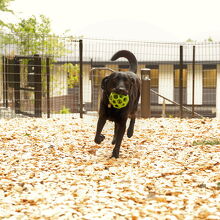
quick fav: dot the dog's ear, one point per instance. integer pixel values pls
(104, 82)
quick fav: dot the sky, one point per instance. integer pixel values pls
(148, 20)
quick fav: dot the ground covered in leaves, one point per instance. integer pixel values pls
(52, 169)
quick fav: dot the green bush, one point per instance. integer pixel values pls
(65, 110)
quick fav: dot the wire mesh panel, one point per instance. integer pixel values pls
(65, 81)
(159, 57)
(39, 76)
(206, 68)
(190, 83)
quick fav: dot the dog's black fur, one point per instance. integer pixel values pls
(126, 83)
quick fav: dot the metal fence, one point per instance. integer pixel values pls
(38, 77)
(48, 76)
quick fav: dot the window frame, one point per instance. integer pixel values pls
(205, 69)
(154, 67)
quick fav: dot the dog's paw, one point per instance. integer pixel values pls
(130, 132)
(115, 155)
(99, 139)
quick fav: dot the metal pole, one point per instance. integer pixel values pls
(37, 86)
(145, 93)
(48, 86)
(81, 76)
(7, 75)
(4, 81)
(92, 85)
(193, 82)
(17, 79)
(181, 82)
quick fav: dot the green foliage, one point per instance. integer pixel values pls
(34, 36)
(211, 142)
(65, 110)
(210, 40)
(189, 40)
(32, 26)
(73, 73)
(4, 4)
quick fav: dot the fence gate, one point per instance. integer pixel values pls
(22, 85)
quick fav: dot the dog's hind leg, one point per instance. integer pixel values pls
(119, 136)
(130, 130)
(99, 137)
(115, 133)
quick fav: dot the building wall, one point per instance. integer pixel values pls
(198, 84)
(87, 88)
(166, 82)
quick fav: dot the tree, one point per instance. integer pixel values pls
(190, 40)
(34, 36)
(73, 72)
(4, 4)
(208, 40)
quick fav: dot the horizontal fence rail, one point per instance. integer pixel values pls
(174, 103)
(49, 76)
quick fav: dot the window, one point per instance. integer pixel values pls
(209, 76)
(154, 75)
(177, 76)
(209, 84)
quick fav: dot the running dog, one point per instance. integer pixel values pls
(125, 84)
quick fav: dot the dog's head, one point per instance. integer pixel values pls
(118, 82)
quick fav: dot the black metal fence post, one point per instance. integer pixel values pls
(181, 82)
(81, 76)
(7, 73)
(48, 86)
(193, 82)
(37, 86)
(4, 84)
(17, 79)
(145, 93)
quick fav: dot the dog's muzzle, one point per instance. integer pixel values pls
(120, 90)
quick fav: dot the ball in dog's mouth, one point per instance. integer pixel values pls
(118, 100)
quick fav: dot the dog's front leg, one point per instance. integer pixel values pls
(119, 136)
(131, 127)
(115, 133)
(99, 137)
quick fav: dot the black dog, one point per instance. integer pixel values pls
(125, 83)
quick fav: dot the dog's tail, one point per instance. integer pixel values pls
(128, 55)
